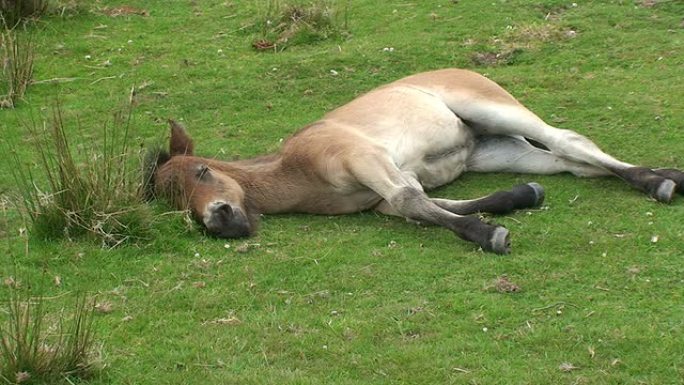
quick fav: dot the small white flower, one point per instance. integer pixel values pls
(654, 239)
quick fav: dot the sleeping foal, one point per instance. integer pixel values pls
(382, 150)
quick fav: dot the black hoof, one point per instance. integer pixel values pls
(538, 193)
(659, 186)
(524, 196)
(673, 174)
(499, 242)
(665, 191)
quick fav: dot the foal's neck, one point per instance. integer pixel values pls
(269, 186)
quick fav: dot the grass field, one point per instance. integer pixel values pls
(365, 298)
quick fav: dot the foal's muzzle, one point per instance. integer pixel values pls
(224, 221)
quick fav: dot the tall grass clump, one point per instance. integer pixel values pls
(16, 65)
(12, 12)
(97, 193)
(38, 347)
(282, 25)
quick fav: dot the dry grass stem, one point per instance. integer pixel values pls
(16, 65)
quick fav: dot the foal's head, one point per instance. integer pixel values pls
(203, 186)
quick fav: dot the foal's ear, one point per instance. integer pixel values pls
(180, 143)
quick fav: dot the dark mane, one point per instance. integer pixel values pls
(155, 157)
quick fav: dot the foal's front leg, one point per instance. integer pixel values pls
(375, 170)
(519, 197)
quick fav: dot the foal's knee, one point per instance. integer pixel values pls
(411, 203)
(570, 144)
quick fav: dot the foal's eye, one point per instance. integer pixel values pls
(202, 172)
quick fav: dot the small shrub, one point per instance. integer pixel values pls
(100, 197)
(36, 347)
(16, 65)
(12, 12)
(515, 40)
(290, 24)
(533, 36)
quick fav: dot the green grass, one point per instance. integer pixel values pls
(365, 298)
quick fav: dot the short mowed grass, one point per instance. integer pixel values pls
(365, 298)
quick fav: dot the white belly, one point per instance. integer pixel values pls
(439, 159)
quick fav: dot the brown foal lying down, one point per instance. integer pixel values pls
(383, 149)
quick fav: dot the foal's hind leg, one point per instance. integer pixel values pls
(490, 118)
(498, 153)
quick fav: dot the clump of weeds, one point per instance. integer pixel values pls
(289, 24)
(92, 191)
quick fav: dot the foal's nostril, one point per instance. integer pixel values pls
(225, 221)
(225, 209)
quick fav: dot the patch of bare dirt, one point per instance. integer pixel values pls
(263, 44)
(648, 3)
(503, 285)
(491, 59)
(124, 10)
